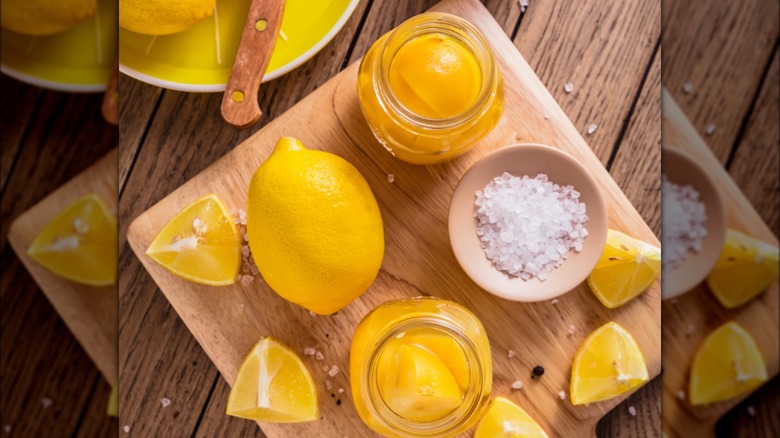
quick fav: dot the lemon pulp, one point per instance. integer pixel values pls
(435, 76)
(273, 385)
(607, 364)
(626, 268)
(506, 419)
(80, 243)
(727, 364)
(746, 267)
(201, 244)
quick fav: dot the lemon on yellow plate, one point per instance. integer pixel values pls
(746, 268)
(45, 17)
(627, 268)
(727, 364)
(200, 58)
(506, 419)
(80, 243)
(607, 364)
(314, 227)
(163, 17)
(78, 59)
(273, 385)
(200, 244)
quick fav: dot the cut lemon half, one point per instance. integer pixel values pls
(506, 419)
(80, 243)
(746, 268)
(608, 363)
(201, 244)
(627, 268)
(727, 364)
(273, 385)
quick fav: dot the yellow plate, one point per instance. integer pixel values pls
(77, 60)
(200, 58)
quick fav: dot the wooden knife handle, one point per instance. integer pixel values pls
(239, 103)
(110, 107)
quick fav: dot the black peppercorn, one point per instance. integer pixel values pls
(538, 371)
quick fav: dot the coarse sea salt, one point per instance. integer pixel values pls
(527, 226)
(684, 217)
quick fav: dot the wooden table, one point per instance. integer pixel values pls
(48, 138)
(610, 54)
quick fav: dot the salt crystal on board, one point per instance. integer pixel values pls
(688, 88)
(592, 128)
(165, 402)
(126, 428)
(710, 129)
(333, 371)
(46, 402)
(751, 411)
(632, 411)
(568, 87)
(319, 356)
(309, 351)
(562, 395)
(517, 384)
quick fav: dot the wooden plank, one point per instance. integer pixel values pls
(138, 103)
(755, 164)
(17, 107)
(95, 422)
(756, 416)
(722, 48)
(603, 50)
(417, 268)
(89, 312)
(691, 317)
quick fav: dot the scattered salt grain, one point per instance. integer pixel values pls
(571, 331)
(46, 402)
(246, 280)
(562, 395)
(592, 128)
(245, 250)
(632, 411)
(165, 402)
(688, 88)
(341, 390)
(517, 384)
(684, 217)
(527, 226)
(245, 267)
(554, 301)
(546, 116)
(245, 237)
(690, 330)
(710, 129)
(328, 385)
(254, 269)
(241, 213)
(390, 178)
(568, 87)
(523, 5)
(7, 428)
(319, 356)
(241, 307)
(510, 354)
(312, 313)
(309, 351)
(681, 394)
(126, 428)
(333, 371)
(751, 411)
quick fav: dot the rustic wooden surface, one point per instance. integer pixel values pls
(728, 52)
(48, 138)
(614, 65)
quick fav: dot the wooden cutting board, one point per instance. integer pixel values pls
(89, 312)
(228, 321)
(691, 317)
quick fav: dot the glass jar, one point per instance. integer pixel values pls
(441, 330)
(426, 138)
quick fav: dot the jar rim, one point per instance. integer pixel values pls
(452, 422)
(450, 25)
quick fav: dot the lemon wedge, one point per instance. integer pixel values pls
(273, 385)
(201, 244)
(416, 384)
(80, 243)
(627, 268)
(506, 419)
(448, 351)
(607, 364)
(727, 364)
(746, 267)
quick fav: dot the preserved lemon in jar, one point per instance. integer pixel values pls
(420, 367)
(430, 89)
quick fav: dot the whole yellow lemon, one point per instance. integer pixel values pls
(314, 227)
(163, 17)
(44, 17)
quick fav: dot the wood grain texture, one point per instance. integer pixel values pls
(691, 317)
(39, 356)
(343, 132)
(17, 106)
(722, 48)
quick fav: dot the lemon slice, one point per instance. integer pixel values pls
(446, 348)
(80, 243)
(627, 267)
(273, 385)
(417, 385)
(113, 402)
(727, 364)
(506, 419)
(608, 364)
(746, 268)
(201, 244)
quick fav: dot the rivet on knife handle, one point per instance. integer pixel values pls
(239, 103)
